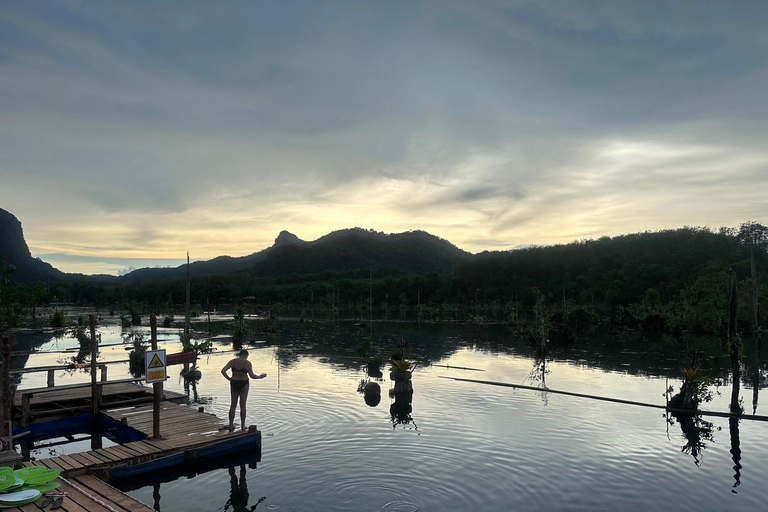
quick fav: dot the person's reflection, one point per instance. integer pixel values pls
(238, 497)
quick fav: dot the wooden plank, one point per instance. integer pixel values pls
(141, 447)
(102, 458)
(51, 464)
(160, 444)
(73, 463)
(133, 452)
(91, 458)
(107, 454)
(82, 500)
(110, 493)
(125, 454)
(82, 459)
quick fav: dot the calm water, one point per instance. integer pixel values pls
(465, 446)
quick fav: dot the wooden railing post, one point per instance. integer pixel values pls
(95, 395)
(51, 378)
(103, 373)
(26, 407)
(5, 387)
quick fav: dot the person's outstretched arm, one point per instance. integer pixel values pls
(253, 375)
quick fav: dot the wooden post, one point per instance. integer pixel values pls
(26, 407)
(5, 387)
(94, 355)
(51, 377)
(734, 341)
(158, 386)
(186, 310)
(757, 329)
(103, 373)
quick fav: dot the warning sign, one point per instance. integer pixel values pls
(155, 369)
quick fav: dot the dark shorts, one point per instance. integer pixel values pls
(238, 385)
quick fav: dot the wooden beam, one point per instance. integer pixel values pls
(95, 395)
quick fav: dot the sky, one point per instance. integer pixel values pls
(133, 132)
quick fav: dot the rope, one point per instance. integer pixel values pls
(616, 400)
(87, 494)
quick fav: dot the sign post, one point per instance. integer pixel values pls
(156, 372)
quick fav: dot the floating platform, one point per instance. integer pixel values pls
(189, 436)
(34, 404)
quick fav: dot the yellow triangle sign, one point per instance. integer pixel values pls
(155, 362)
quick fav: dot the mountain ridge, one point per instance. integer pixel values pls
(349, 249)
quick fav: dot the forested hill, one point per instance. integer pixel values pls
(14, 252)
(218, 265)
(412, 252)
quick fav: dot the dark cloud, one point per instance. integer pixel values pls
(498, 117)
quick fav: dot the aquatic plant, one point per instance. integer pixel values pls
(401, 365)
(137, 352)
(694, 390)
(58, 319)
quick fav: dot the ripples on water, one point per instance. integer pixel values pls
(469, 447)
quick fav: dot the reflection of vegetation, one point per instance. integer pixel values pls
(697, 433)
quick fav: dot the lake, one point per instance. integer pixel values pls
(463, 446)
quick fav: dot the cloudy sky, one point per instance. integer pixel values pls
(132, 132)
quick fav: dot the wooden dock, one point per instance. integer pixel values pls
(89, 494)
(185, 430)
(51, 402)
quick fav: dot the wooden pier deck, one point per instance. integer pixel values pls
(89, 494)
(49, 402)
(184, 430)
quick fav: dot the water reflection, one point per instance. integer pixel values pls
(697, 432)
(238, 495)
(733, 427)
(401, 408)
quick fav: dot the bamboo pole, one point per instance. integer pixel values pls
(614, 400)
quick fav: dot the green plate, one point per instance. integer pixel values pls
(25, 473)
(19, 498)
(41, 487)
(7, 481)
(43, 477)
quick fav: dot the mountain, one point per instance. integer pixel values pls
(411, 252)
(218, 265)
(15, 251)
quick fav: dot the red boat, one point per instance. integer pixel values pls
(179, 358)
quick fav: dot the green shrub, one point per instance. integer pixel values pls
(58, 319)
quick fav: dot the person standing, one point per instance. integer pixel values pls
(239, 382)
